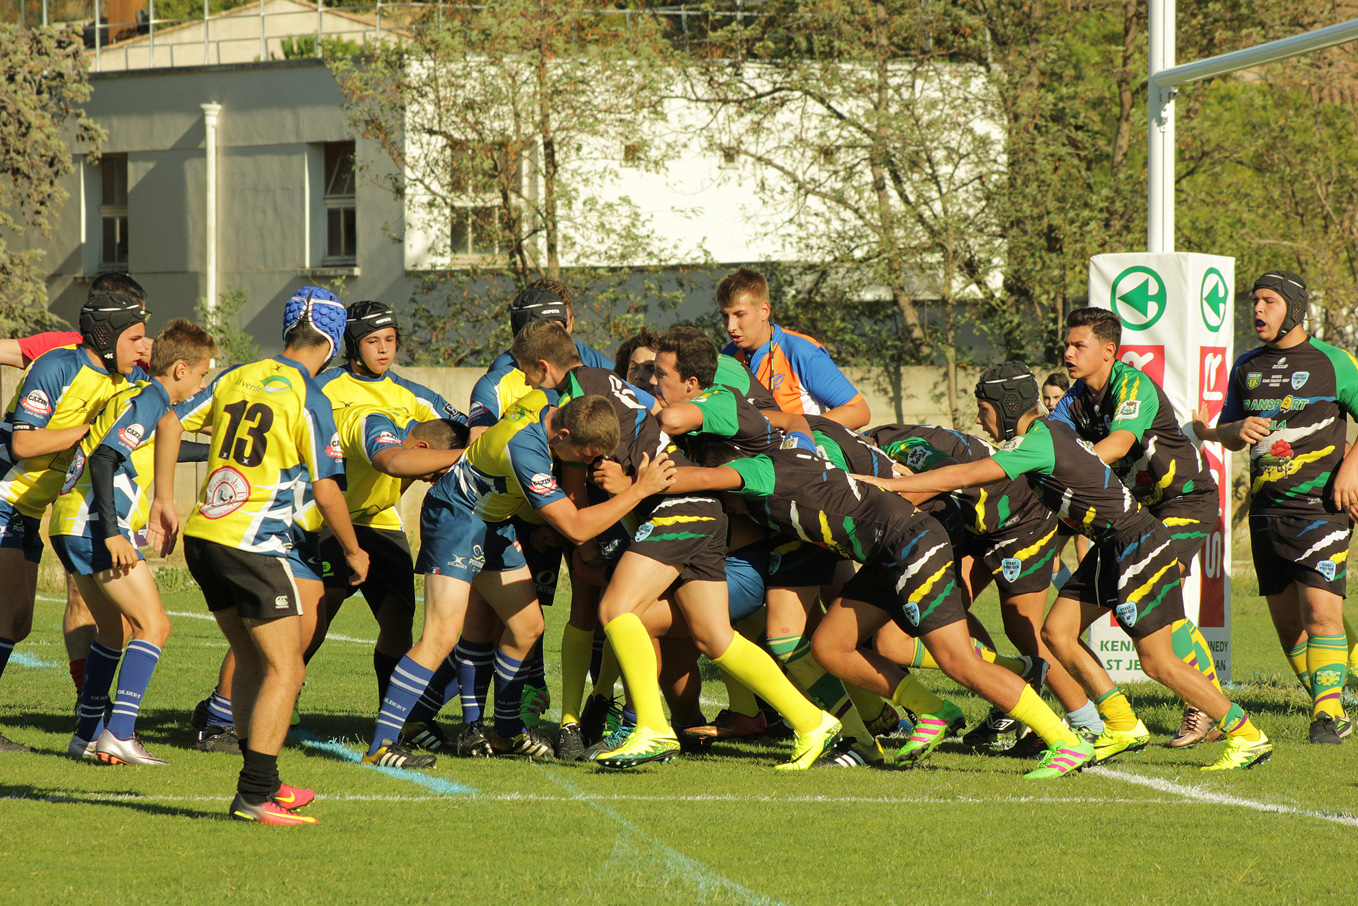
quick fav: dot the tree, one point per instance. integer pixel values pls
(42, 84)
(503, 127)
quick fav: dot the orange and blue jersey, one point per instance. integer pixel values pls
(799, 371)
(504, 384)
(127, 426)
(507, 471)
(61, 389)
(273, 433)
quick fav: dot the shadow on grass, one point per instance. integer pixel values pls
(128, 801)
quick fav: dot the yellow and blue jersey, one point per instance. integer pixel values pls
(508, 470)
(405, 398)
(273, 434)
(504, 384)
(61, 389)
(364, 431)
(127, 426)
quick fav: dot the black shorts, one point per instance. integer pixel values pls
(690, 530)
(1136, 575)
(259, 586)
(794, 563)
(1307, 550)
(545, 565)
(1190, 518)
(916, 584)
(391, 569)
(1019, 559)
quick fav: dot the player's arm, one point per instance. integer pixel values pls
(853, 414)
(330, 501)
(162, 526)
(29, 441)
(400, 462)
(680, 418)
(11, 354)
(104, 464)
(788, 422)
(941, 481)
(691, 479)
(1115, 446)
(1241, 434)
(1346, 481)
(822, 378)
(579, 525)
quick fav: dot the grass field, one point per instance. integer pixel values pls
(723, 828)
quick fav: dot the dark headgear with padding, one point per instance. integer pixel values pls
(1292, 287)
(367, 317)
(103, 319)
(1012, 389)
(537, 304)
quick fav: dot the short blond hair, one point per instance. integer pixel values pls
(592, 423)
(181, 341)
(743, 281)
(545, 340)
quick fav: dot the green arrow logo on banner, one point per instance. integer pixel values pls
(1212, 299)
(1138, 297)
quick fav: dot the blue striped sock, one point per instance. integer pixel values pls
(408, 682)
(441, 688)
(219, 709)
(510, 675)
(139, 662)
(100, 666)
(474, 672)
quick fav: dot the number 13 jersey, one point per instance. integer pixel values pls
(273, 433)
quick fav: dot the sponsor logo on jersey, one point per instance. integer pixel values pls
(917, 458)
(226, 491)
(1299, 379)
(542, 484)
(1327, 569)
(37, 403)
(73, 470)
(476, 411)
(1126, 613)
(333, 449)
(1009, 568)
(132, 435)
(1253, 379)
(1129, 409)
(644, 531)
(276, 383)
(386, 437)
(1013, 444)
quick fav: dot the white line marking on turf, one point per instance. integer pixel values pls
(1202, 794)
(340, 750)
(707, 880)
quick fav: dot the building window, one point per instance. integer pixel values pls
(482, 175)
(341, 211)
(113, 210)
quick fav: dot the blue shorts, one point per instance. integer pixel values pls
(20, 532)
(456, 542)
(745, 572)
(81, 556)
(304, 555)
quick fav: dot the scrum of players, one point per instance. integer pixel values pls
(730, 503)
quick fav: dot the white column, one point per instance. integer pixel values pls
(210, 115)
(1160, 132)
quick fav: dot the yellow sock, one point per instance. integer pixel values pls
(1033, 711)
(1237, 723)
(823, 689)
(923, 658)
(1116, 710)
(577, 649)
(1191, 648)
(739, 698)
(753, 667)
(636, 657)
(1327, 660)
(609, 670)
(912, 695)
(867, 703)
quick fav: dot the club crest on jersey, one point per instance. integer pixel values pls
(775, 561)
(912, 612)
(1126, 613)
(1129, 409)
(73, 470)
(1326, 568)
(644, 531)
(226, 491)
(333, 449)
(1012, 444)
(37, 403)
(132, 435)
(1254, 379)
(917, 459)
(542, 484)
(1299, 379)
(1009, 568)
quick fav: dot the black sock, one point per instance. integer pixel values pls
(258, 777)
(383, 665)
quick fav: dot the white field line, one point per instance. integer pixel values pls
(1199, 793)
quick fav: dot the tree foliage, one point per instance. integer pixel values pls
(42, 85)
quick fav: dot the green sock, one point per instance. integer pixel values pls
(1296, 659)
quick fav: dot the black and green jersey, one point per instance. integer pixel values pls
(1069, 478)
(735, 374)
(1162, 463)
(733, 420)
(800, 494)
(641, 432)
(1307, 392)
(847, 449)
(1001, 506)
